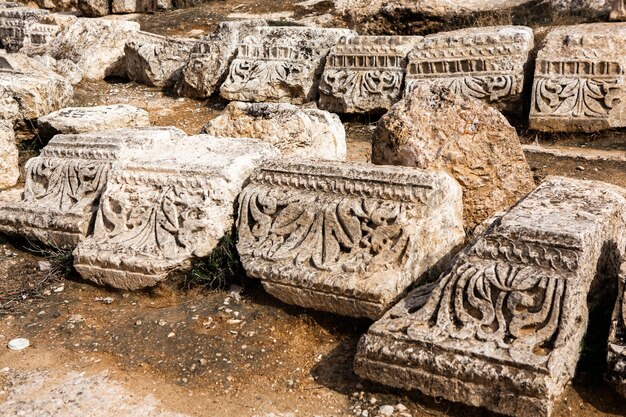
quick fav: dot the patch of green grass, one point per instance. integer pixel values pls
(220, 269)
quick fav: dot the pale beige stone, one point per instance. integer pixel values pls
(365, 73)
(346, 238)
(439, 130)
(164, 208)
(210, 58)
(94, 8)
(579, 82)
(22, 27)
(483, 63)
(64, 184)
(618, 10)
(280, 64)
(74, 120)
(9, 163)
(503, 329)
(303, 133)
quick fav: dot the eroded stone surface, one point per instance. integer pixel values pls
(21, 26)
(74, 120)
(280, 64)
(503, 328)
(94, 8)
(210, 58)
(96, 46)
(482, 63)
(365, 73)
(64, 184)
(29, 90)
(579, 79)
(473, 142)
(305, 133)
(156, 60)
(166, 207)
(140, 6)
(346, 238)
(9, 163)
(618, 10)
(616, 356)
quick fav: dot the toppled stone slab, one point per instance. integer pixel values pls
(63, 185)
(280, 64)
(164, 208)
(156, 60)
(616, 356)
(343, 237)
(365, 73)
(9, 163)
(305, 133)
(503, 328)
(23, 27)
(96, 46)
(482, 63)
(473, 142)
(28, 90)
(210, 58)
(579, 79)
(74, 120)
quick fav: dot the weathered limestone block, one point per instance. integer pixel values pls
(503, 328)
(64, 184)
(94, 8)
(210, 58)
(305, 133)
(579, 80)
(482, 63)
(74, 120)
(163, 209)
(96, 46)
(442, 131)
(281, 64)
(137, 6)
(9, 163)
(22, 27)
(365, 73)
(156, 60)
(29, 90)
(343, 237)
(618, 10)
(616, 356)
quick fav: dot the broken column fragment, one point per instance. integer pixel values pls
(156, 60)
(64, 183)
(280, 64)
(579, 80)
(482, 63)
(306, 133)
(365, 73)
(346, 238)
(210, 58)
(166, 207)
(503, 328)
(74, 120)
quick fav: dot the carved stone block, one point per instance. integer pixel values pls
(156, 60)
(30, 89)
(579, 80)
(210, 58)
(343, 237)
(64, 183)
(503, 328)
(22, 26)
(295, 132)
(74, 120)
(365, 73)
(9, 163)
(482, 63)
(280, 64)
(164, 208)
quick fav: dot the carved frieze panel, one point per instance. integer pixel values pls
(483, 63)
(21, 26)
(280, 64)
(365, 73)
(579, 79)
(502, 329)
(346, 238)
